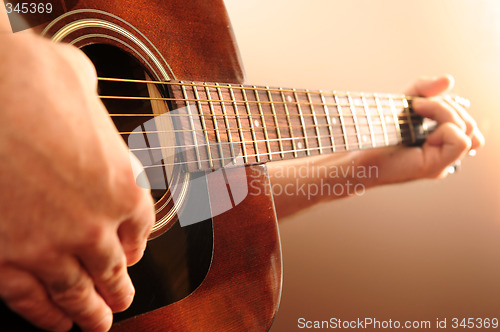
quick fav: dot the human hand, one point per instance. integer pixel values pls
(457, 134)
(72, 217)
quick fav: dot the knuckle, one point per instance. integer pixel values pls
(28, 305)
(70, 290)
(135, 197)
(33, 304)
(444, 108)
(469, 128)
(135, 255)
(466, 143)
(92, 236)
(111, 276)
(15, 286)
(92, 319)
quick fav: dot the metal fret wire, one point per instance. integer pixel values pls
(191, 122)
(288, 120)
(259, 105)
(222, 159)
(368, 118)
(381, 116)
(355, 119)
(328, 120)
(273, 110)
(238, 121)
(315, 120)
(226, 121)
(398, 139)
(204, 126)
(214, 119)
(302, 122)
(247, 106)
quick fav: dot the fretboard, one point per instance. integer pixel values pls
(224, 124)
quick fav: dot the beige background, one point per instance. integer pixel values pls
(423, 250)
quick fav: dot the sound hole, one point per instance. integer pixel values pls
(128, 114)
(175, 263)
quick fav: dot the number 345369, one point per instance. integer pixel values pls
(29, 8)
(476, 323)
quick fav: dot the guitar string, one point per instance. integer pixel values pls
(284, 126)
(319, 116)
(222, 159)
(380, 108)
(308, 138)
(233, 101)
(247, 102)
(391, 96)
(356, 146)
(366, 117)
(377, 125)
(245, 87)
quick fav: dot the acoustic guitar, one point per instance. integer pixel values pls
(214, 260)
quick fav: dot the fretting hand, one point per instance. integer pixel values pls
(455, 136)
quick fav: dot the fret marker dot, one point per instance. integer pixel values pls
(334, 120)
(289, 99)
(300, 145)
(388, 118)
(257, 123)
(365, 138)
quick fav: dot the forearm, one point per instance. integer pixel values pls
(302, 183)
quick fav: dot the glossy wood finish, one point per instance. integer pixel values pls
(242, 288)
(195, 36)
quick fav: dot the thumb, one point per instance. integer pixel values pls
(431, 86)
(141, 179)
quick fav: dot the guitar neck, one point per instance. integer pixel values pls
(224, 124)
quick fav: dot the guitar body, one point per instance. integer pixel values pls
(223, 273)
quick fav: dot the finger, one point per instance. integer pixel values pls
(25, 295)
(135, 231)
(72, 290)
(140, 176)
(443, 148)
(468, 120)
(105, 261)
(83, 66)
(431, 86)
(477, 138)
(439, 110)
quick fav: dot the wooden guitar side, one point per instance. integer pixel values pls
(242, 289)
